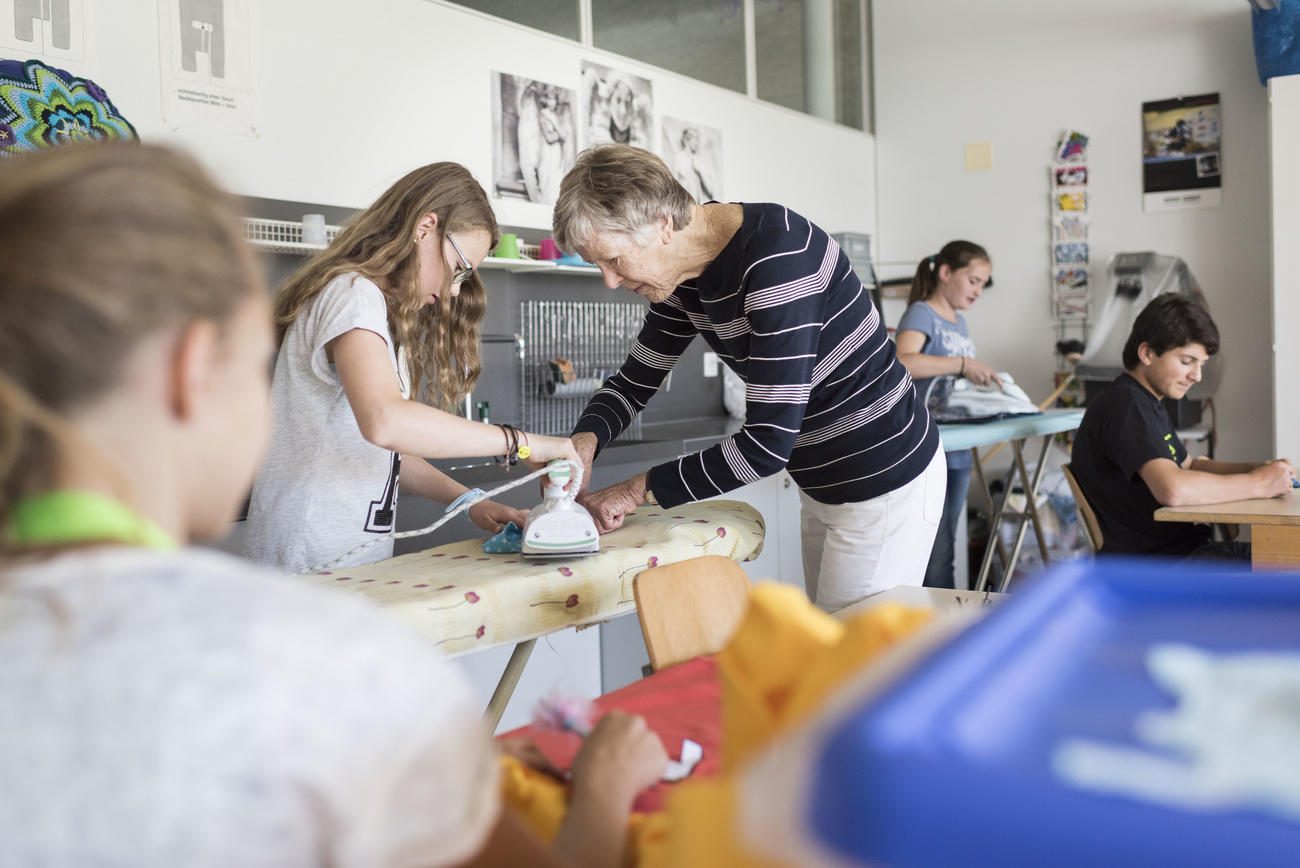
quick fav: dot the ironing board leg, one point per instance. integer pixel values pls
(988, 501)
(1031, 510)
(506, 686)
(994, 534)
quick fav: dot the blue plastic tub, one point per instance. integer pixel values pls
(951, 766)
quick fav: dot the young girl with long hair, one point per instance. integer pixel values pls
(166, 705)
(933, 342)
(382, 321)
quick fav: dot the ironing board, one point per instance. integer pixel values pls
(1016, 430)
(461, 599)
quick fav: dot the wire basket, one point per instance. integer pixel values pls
(282, 236)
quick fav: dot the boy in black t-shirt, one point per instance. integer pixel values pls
(1128, 459)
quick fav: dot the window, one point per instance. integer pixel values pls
(808, 54)
(703, 39)
(554, 16)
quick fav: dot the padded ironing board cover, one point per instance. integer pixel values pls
(42, 106)
(461, 599)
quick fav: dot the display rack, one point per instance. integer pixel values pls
(1070, 257)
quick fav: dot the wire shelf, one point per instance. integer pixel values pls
(282, 236)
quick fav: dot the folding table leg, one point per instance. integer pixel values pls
(506, 686)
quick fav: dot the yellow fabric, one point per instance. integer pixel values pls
(785, 659)
(461, 599)
(776, 672)
(764, 663)
(540, 802)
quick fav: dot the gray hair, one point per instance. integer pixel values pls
(617, 188)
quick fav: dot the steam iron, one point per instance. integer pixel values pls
(559, 528)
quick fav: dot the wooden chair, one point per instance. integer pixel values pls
(689, 608)
(1091, 527)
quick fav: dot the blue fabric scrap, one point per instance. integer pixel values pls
(509, 542)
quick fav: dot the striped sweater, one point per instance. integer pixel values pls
(825, 395)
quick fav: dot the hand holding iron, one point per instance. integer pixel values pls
(585, 445)
(543, 450)
(981, 374)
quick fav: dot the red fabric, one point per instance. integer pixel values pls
(681, 702)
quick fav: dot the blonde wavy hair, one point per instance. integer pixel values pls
(441, 342)
(103, 245)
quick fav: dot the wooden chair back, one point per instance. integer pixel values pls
(1091, 527)
(690, 608)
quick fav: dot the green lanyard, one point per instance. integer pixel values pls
(58, 517)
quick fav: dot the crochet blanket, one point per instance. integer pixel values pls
(42, 106)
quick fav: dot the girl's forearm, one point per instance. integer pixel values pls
(922, 366)
(418, 429)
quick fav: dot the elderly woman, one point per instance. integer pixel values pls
(826, 397)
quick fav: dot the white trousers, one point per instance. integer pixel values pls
(851, 550)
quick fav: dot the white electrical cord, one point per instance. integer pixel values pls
(574, 487)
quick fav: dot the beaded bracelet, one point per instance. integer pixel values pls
(513, 450)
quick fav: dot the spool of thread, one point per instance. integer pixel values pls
(580, 386)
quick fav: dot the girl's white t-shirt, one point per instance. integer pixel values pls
(191, 709)
(323, 488)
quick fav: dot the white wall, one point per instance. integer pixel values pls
(1017, 73)
(1284, 132)
(353, 94)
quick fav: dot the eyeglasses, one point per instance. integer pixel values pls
(466, 271)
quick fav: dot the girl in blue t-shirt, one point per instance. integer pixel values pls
(934, 345)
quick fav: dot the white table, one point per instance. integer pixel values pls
(1014, 430)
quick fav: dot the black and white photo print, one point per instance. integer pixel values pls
(534, 137)
(694, 153)
(616, 107)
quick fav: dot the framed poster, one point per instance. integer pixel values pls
(1180, 153)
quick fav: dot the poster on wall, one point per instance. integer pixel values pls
(50, 30)
(534, 137)
(206, 56)
(616, 107)
(1180, 153)
(694, 153)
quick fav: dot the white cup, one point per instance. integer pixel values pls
(313, 229)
